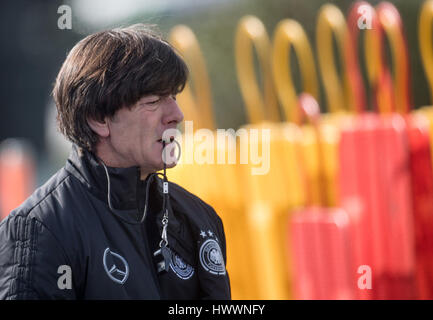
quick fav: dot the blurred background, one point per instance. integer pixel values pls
(34, 47)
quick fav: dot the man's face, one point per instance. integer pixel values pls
(135, 133)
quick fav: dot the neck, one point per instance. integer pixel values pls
(111, 159)
(143, 174)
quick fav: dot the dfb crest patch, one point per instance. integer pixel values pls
(211, 257)
(180, 267)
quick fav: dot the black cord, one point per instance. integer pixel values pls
(164, 194)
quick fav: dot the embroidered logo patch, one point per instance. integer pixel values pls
(211, 257)
(180, 267)
(115, 266)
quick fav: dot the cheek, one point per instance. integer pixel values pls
(146, 138)
(127, 136)
(124, 135)
(140, 133)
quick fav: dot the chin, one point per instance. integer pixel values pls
(168, 165)
(172, 165)
(160, 166)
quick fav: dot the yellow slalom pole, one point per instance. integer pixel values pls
(290, 32)
(332, 24)
(425, 42)
(426, 51)
(251, 31)
(331, 21)
(184, 40)
(267, 192)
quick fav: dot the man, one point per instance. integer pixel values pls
(106, 226)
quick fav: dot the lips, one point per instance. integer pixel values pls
(167, 140)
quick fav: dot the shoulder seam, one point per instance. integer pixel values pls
(207, 207)
(51, 191)
(190, 195)
(27, 212)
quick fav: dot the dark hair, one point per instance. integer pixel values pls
(109, 70)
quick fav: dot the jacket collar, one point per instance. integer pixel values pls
(126, 188)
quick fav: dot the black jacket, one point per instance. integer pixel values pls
(64, 242)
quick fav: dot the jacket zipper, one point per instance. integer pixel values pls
(145, 238)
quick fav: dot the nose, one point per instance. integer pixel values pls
(173, 114)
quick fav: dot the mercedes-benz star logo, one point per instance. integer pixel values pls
(116, 273)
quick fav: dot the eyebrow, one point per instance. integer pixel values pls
(149, 97)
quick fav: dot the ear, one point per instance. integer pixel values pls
(100, 128)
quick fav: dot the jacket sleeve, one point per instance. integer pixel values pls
(32, 263)
(224, 253)
(215, 285)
